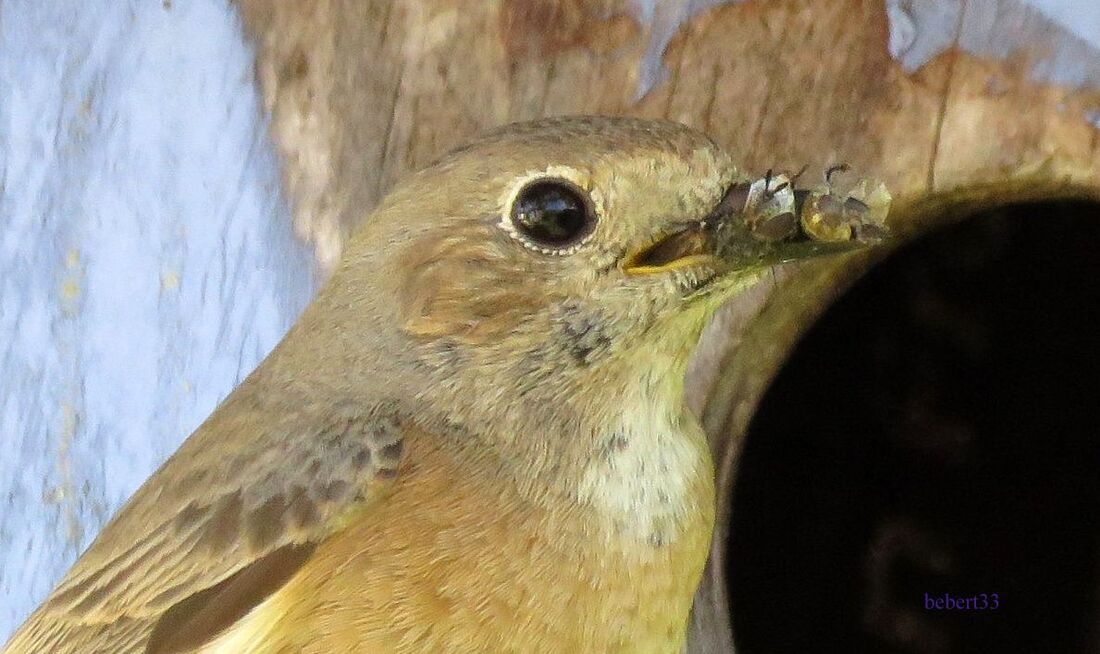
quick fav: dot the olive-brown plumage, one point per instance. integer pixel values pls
(473, 439)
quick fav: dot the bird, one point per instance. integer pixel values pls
(474, 439)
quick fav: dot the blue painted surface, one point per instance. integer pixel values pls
(146, 258)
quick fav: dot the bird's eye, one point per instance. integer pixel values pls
(553, 213)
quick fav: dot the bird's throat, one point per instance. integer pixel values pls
(653, 477)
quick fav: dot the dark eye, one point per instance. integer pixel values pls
(552, 214)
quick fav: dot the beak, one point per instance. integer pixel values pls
(766, 222)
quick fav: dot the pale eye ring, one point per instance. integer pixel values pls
(552, 215)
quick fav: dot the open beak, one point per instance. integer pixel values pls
(764, 223)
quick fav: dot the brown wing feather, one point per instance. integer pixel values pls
(231, 516)
(205, 615)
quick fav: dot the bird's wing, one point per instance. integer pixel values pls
(221, 526)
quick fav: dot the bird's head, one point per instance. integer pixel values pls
(570, 237)
(537, 274)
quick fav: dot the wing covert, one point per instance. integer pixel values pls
(224, 517)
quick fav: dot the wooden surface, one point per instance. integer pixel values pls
(955, 105)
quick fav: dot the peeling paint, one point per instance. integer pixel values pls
(660, 20)
(1060, 50)
(921, 30)
(133, 161)
(1093, 117)
(1060, 37)
(1080, 17)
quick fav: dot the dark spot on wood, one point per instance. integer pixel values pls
(295, 67)
(537, 28)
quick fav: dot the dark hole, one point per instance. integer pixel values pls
(936, 432)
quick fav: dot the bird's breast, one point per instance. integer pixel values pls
(453, 562)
